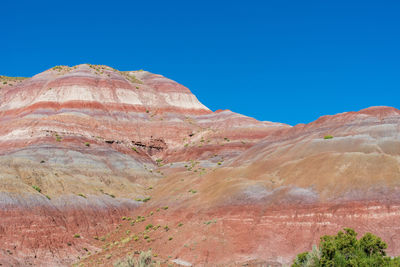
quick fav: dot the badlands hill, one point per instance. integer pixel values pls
(91, 156)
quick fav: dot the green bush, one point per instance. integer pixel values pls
(344, 249)
(146, 199)
(37, 188)
(328, 136)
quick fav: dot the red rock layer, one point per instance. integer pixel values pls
(254, 233)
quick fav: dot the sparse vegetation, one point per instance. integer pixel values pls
(130, 77)
(37, 188)
(110, 195)
(77, 236)
(58, 68)
(146, 199)
(328, 136)
(87, 144)
(140, 219)
(58, 138)
(7, 79)
(210, 222)
(144, 260)
(82, 195)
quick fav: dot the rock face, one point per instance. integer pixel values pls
(81, 147)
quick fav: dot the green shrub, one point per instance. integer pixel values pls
(81, 195)
(110, 195)
(77, 236)
(87, 144)
(328, 137)
(37, 188)
(344, 249)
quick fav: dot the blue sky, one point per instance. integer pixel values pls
(285, 61)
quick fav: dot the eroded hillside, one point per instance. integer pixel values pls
(97, 163)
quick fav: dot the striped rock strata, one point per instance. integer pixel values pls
(80, 146)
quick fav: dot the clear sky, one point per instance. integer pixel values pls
(276, 60)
